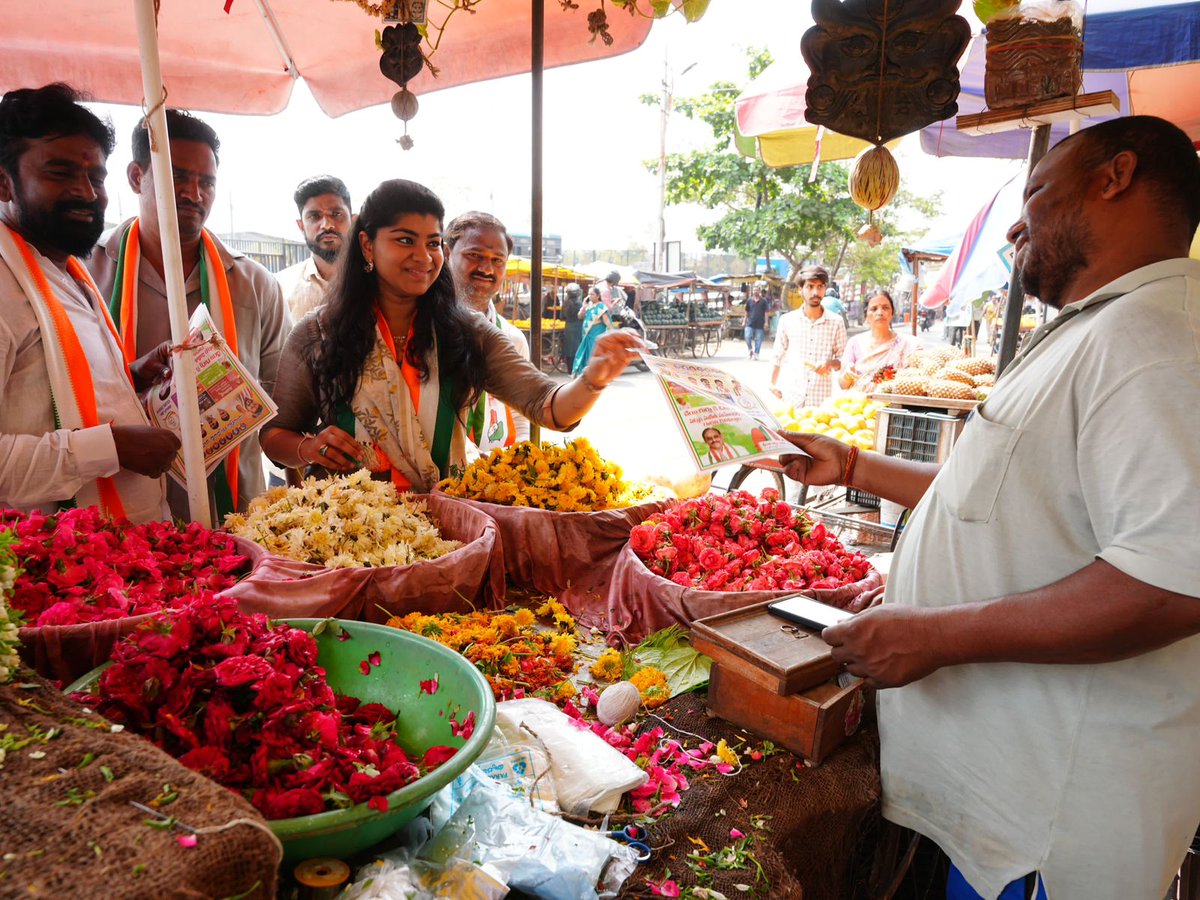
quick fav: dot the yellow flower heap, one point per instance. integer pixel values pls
(572, 478)
(342, 522)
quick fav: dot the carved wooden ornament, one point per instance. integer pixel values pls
(883, 68)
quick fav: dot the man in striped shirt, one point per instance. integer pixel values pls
(809, 344)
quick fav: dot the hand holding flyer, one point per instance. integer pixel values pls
(721, 419)
(232, 404)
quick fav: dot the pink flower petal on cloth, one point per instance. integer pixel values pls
(187, 840)
(735, 834)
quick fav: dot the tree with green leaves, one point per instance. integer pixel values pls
(767, 212)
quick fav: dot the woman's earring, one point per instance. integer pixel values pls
(370, 266)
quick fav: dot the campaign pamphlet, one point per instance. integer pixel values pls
(232, 404)
(722, 421)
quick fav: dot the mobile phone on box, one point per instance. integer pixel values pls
(809, 613)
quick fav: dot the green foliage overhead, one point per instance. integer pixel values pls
(766, 212)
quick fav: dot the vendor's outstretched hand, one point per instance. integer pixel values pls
(824, 464)
(888, 646)
(614, 350)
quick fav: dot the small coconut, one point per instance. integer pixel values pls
(618, 703)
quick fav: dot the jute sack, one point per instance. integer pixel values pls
(68, 829)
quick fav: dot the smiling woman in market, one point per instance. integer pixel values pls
(382, 375)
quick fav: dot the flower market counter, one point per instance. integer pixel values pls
(318, 717)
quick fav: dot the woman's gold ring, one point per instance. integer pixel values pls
(324, 449)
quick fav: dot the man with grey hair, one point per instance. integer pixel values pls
(478, 246)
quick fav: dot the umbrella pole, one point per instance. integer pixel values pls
(185, 360)
(1039, 144)
(537, 69)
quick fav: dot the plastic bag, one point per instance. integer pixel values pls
(531, 850)
(588, 773)
(523, 767)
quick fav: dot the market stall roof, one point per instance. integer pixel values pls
(521, 266)
(247, 60)
(1147, 53)
(676, 279)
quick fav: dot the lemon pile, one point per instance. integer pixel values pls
(848, 417)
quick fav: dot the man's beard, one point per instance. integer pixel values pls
(52, 227)
(1060, 255)
(479, 294)
(328, 254)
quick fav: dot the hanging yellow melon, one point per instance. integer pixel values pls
(874, 178)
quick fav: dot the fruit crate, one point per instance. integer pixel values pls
(862, 498)
(916, 435)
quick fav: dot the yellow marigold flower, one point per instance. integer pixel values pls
(609, 667)
(652, 685)
(505, 624)
(727, 754)
(550, 607)
(564, 620)
(563, 645)
(524, 618)
(564, 691)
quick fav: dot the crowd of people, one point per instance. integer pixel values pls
(385, 351)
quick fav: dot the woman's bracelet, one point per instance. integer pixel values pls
(588, 383)
(300, 448)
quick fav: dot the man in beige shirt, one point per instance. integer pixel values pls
(324, 206)
(72, 430)
(260, 321)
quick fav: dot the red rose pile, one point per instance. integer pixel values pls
(241, 700)
(81, 567)
(737, 542)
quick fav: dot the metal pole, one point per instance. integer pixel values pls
(168, 222)
(537, 69)
(915, 294)
(665, 113)
(1039, 144)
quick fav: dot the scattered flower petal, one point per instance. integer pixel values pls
(187, 840)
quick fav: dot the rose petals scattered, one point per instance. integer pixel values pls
(735, 833)
(666, 888)
(466, 729)
(430, 685)
(364, 667)
(187, 840)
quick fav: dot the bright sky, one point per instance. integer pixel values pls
(472, 143)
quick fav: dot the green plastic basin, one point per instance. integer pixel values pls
(423, 721)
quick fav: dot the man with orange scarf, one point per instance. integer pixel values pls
(72, 430)
(243, 298)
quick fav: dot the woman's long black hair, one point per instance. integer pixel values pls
(349, 316)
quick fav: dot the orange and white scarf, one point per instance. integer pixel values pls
(72, 390)
(213, 283)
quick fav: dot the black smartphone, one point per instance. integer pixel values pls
(807, 612)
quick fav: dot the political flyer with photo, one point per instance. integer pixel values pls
(232, 404)
(721, 419)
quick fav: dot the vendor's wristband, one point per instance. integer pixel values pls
(848, 471)
(589, 384)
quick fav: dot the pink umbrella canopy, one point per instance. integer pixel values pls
(246, 60)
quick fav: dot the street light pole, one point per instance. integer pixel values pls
(668, 87)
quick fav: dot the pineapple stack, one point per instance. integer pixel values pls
(943, 373)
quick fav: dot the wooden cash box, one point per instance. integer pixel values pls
(777, 681)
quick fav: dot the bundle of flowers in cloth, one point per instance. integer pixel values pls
(563, 512)
(723, 552)
(515, 655)
(241, 699)
(87, 580)
(353, 547)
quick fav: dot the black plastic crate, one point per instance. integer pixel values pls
(862, 498)
(919, 436)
